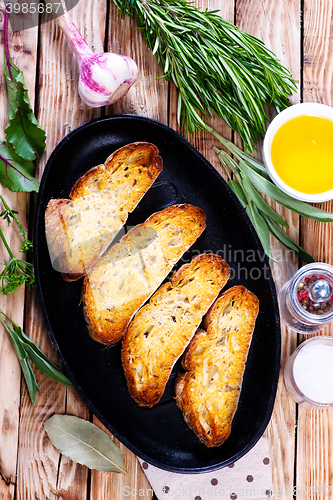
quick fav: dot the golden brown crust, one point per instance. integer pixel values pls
(130, 271)
(208, 392)
(79, 230)
(161, 330)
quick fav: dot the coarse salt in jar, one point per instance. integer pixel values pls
(308, 374)
(306, 301)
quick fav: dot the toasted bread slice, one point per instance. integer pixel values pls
(79, 229)
(215, 360)
(160, 331)
(131, 270)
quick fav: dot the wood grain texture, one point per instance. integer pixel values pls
(23, 50)
(30, 467)
(278, 25)
(315, 428)
(201, 140)
(317, 52)
(147, 97)
(132, 485)
(42, 472)
(315, 463)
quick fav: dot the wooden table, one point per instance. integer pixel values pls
(300, 33)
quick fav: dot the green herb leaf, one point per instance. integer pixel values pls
(21, 354)
(25, 349)
(84, 443)
(30, 379)
(285, 239)
(16, 174)
(235, 186)
(9, 215)
(260, 213)
(238, 153)
(274, 192)
(261, 203)
(28, 342)
(25, 139)
(261, 228)
(27, 371)
(215, 66)
(248, 170)
(23, 130)
(15, 273)
(44, 364)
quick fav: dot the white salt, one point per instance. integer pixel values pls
(313, 372)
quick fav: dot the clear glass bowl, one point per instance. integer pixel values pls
(308, 374)
(291, 311)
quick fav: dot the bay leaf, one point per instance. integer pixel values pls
(84, 443)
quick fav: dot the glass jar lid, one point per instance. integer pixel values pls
(311, 292)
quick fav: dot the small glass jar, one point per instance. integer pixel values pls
(308, 374)
(306, 301)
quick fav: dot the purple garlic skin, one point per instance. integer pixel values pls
(106, 78)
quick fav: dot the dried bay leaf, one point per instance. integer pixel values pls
(84, 443)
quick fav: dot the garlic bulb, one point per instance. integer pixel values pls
(104, 78)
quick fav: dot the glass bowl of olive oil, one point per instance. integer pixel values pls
(298, 151)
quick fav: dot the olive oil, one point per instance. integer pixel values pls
(302, 154)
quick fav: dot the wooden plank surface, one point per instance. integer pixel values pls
(314, 464)
(30, 468)
(278, 25)
(42, 472)
(23, 50)
(148, 97)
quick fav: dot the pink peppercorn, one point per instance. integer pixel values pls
(302, 294)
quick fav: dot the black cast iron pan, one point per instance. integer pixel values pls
(159, 435)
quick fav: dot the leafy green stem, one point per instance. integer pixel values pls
(5, 36)
(26, 349)
(251, 178)
(16, 272)
(25, 139)
(215, 66)
(2, 236)
(8, 214)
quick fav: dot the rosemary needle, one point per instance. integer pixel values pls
(215, 66)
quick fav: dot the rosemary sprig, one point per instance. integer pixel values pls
(26, 349)
(215, 66)
(250, 178)
(17, 271)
